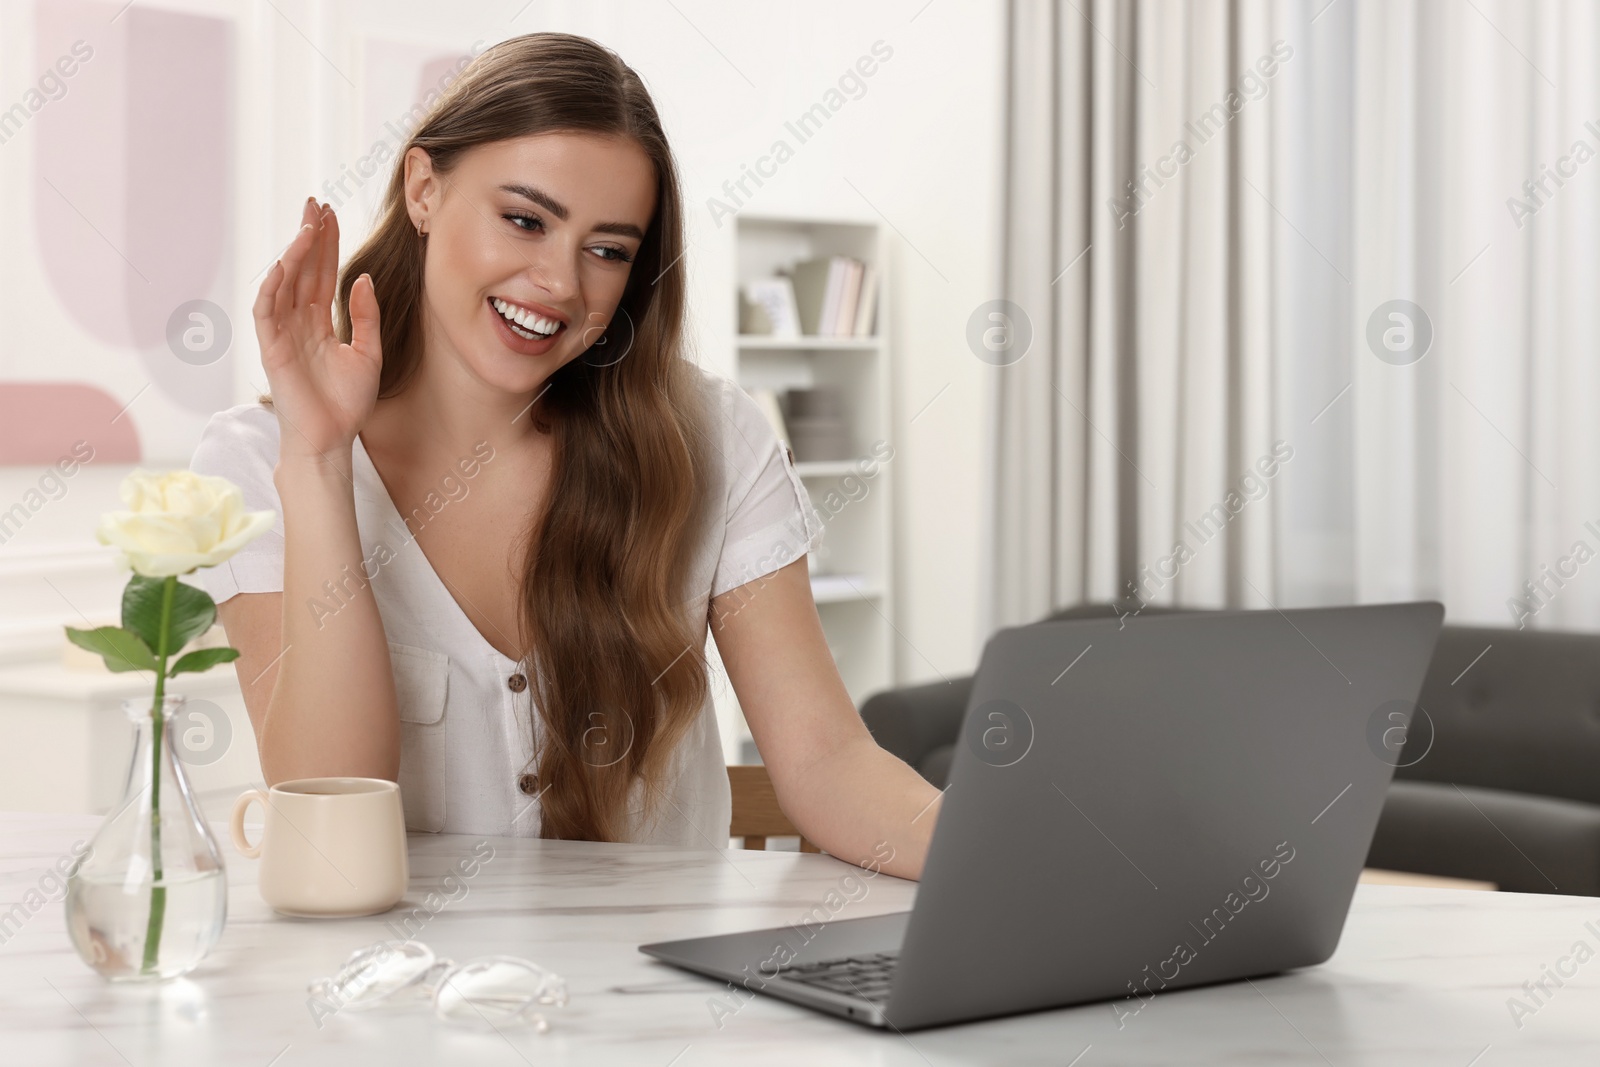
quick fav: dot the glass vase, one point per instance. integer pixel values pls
(148, 900)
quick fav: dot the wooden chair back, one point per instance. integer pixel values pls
(756, 815)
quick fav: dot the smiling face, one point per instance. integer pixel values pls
(528, 236)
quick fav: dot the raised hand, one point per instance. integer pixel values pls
(322, 389)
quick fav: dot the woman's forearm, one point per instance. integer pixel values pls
(867, 806)
(332, 710)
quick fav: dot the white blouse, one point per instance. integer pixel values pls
(468, 729)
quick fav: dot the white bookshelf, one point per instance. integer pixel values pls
(852, 572)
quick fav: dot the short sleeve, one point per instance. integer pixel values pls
(241, 445)
(770, 519)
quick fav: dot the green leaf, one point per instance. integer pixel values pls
(122, 650)
(193, 612)
(203, 659)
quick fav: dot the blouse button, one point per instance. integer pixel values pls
(517, 683)
(528, 783)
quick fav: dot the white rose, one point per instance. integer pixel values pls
(179, 521)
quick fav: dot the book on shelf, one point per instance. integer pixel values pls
(838, 273)
(809, 278)
(767, 308)
(844, 323)
(835, 296)
(866, 308)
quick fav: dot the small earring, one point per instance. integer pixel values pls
(421, 231)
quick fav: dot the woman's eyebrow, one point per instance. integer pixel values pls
(559, 210)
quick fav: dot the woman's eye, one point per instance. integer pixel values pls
(533, 224)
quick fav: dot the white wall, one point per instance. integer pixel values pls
(921, 146)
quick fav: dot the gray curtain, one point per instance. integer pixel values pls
(1309, 293)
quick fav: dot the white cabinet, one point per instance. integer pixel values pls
(68, 743)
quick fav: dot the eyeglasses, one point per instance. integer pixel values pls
(493, 989)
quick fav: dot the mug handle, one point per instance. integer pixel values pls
(236, 827)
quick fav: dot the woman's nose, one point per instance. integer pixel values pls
(555, 270)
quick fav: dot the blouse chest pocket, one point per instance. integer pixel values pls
(421, 682)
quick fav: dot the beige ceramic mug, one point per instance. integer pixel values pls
(330, 846)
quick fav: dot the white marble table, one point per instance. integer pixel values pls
(1422, 976)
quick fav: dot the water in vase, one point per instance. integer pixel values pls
(109, 923)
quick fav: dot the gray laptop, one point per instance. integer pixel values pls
(1135, 806)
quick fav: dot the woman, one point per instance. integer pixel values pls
(511, 508)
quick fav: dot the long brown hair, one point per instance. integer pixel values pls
(618, 670)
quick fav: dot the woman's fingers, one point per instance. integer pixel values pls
(328, 264)
(306, 283)
(364, 326)
(293, 259)
(266, 296)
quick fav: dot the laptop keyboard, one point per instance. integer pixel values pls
(868, 977)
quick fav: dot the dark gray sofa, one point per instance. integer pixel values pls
(1504, 787)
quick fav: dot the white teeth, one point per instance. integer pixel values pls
(530, 323)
